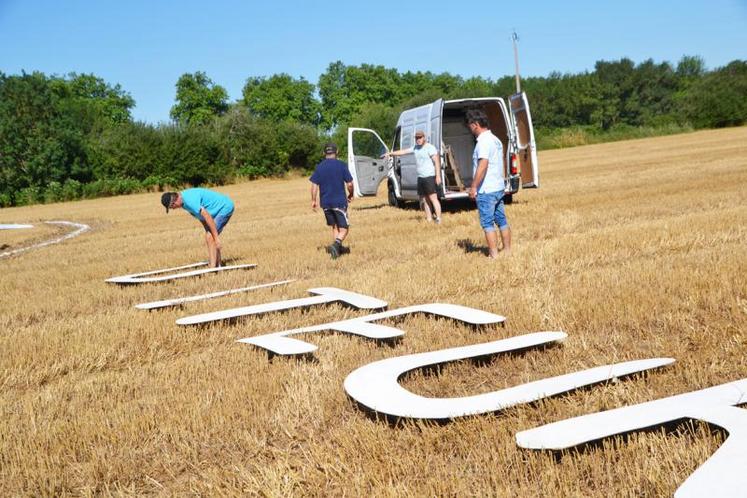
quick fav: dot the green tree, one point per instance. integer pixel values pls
(718, 99)
(344, 89)
(198, 99)
(39, 142)
(282, 98)
(110, 102)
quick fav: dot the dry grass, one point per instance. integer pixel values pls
(636, 249)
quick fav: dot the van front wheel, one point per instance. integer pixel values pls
(392, 196)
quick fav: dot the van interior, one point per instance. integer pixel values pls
(459, 143)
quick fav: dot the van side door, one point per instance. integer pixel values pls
(525, 143)
(367, 165)
(434, 134)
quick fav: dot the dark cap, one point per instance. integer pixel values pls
(167, 199)
(330, 148)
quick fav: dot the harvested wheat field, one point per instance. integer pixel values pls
(635, 249)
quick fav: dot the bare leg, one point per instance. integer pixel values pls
(492, 239)
(426, 207)
(213, 254)
(433, 198)
(506, 239)
(341, 233)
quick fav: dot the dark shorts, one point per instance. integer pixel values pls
(220, 222)
(426, 185)
(336, 216)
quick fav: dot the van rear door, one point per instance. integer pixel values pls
(524, 136)
(367, 165)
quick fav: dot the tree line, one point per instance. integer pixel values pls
(73, 136)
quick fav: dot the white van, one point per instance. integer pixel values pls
(445, 127)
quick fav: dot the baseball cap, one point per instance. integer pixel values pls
(330, 148)
(167, 198)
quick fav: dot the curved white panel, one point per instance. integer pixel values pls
(81, 227)
(721, 475)
(13, 226)
(142, 278)
(181, 300)
(326, 295)
(376, 385)
(279, 343)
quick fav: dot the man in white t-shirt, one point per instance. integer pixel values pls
(488, 183)
(429, 174)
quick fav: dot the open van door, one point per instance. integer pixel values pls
(524, 134)
(367, 165)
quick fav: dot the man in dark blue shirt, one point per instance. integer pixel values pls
(330, 178)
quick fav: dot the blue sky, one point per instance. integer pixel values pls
(146, 45)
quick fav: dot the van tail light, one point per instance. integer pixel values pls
(514, 168)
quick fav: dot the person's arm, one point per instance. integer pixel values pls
(314, 196)
(482, 169)
(436, 158)
(400, 152)
(351, 191)
(210, 222)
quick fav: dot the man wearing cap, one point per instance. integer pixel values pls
(328, 183)
(210, 208)
(488, 184)
(428, 168)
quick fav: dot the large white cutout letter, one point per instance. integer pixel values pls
(280, 343)
(143, 278)
(375, 385)
(181, 300)
(721, 475)
(324, 295)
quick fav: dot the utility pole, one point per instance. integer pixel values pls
(515, 38)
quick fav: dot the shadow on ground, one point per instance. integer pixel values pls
(469, 247)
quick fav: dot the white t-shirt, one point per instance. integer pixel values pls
(425, 166)
(489, 147)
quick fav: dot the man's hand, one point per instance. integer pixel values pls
(314, 205)
(472, 193)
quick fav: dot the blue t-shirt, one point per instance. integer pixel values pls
(214, 203)
(331, 176)
(489, 147)
(423, 155)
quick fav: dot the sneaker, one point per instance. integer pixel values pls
(333, 251)
(438, 221)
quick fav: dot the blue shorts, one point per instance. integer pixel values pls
(220, 222)
(336, 217)
(491, 210)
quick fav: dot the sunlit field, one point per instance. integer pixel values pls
(635, 249)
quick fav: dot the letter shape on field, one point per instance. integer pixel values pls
(325, 295)
(721, 475)
(376, 385)
(280, 343)
(182, 300)
(142, 278)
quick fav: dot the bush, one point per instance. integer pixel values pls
(53, 192)
(29, 195)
